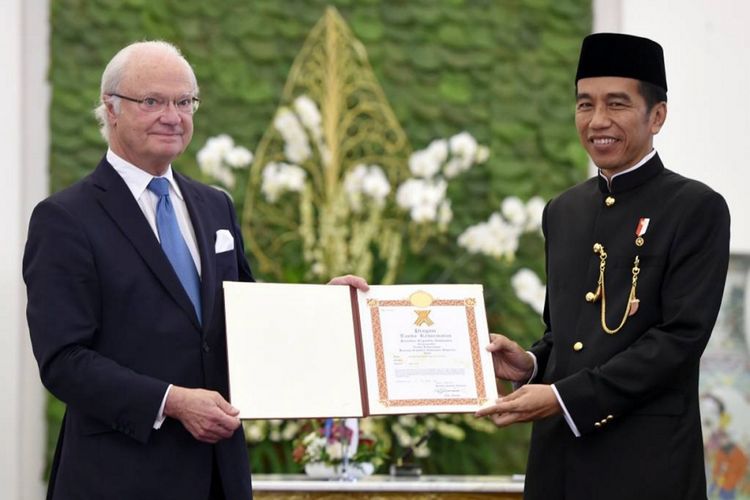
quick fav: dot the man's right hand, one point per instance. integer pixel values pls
(352, 280)
(205, 414)
(510, 360)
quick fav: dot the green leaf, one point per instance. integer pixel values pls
(453, 35)
(367, 28)
(456, 89)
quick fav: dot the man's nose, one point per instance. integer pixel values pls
(600, 117)
(170, 113)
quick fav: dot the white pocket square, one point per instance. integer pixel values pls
(224, 241)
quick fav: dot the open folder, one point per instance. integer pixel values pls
(307, 351)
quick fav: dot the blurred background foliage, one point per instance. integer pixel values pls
(500, 69)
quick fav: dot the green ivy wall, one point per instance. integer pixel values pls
(500, 69)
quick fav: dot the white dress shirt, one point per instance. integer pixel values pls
(626, 171)
(137, 181)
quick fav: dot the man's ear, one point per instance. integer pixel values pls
(658, 116)
(111, 113)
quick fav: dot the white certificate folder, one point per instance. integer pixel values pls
(309, 351)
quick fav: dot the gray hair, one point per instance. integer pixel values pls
(115, 72)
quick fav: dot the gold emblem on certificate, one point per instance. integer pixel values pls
(422, 299)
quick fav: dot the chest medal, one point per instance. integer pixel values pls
(640, 230)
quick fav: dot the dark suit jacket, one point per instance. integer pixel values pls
(633, 395)
(111, 327)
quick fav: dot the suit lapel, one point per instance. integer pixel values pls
(205, 238)
(117, 200)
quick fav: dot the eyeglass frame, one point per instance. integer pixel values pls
(195, 102)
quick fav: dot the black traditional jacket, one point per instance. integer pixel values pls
(633, 394)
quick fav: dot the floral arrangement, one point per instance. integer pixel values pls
(348, 210)
(424, 194)
(220, 156)
(330, 442)
(499, 237)
(410, 430)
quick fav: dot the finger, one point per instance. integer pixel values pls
(503, 405)
(484, 412)
(497, 342)
(488, 410)
(222, 426)
(224, 421)
(507, 419)
(226, 407)
(215, 431)
(221, 432)
(207, 437)
(357, 282)
(230, 424)
(202, 433)
(494, 338)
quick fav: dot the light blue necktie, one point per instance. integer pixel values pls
(173, 243)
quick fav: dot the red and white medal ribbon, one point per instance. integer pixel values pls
(640, 230)
(642, 226)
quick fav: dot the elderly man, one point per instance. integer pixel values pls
(636, 263)
(125, 304)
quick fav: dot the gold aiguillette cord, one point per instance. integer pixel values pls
(632, 305)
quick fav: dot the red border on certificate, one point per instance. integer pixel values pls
(374, 306)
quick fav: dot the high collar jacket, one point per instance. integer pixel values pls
(633, 394)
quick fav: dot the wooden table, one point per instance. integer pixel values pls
(301, 487)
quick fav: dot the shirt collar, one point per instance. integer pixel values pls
(137, 179)
(634, 167)
(649, 166)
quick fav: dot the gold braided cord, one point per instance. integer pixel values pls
(601, 291)
(358, 127)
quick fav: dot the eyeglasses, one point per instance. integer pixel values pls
(155, 104)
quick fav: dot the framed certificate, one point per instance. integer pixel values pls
(300, 351)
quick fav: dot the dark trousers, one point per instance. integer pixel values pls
(216, 492)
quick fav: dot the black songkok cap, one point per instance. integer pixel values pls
(628, 56)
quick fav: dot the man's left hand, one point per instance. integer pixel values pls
(526, 404)
(205, 414)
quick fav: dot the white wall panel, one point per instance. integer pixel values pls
(707, 134)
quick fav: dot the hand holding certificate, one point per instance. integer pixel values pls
(300, 351)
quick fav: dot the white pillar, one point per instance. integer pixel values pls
(607, 15)
(24, 98)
